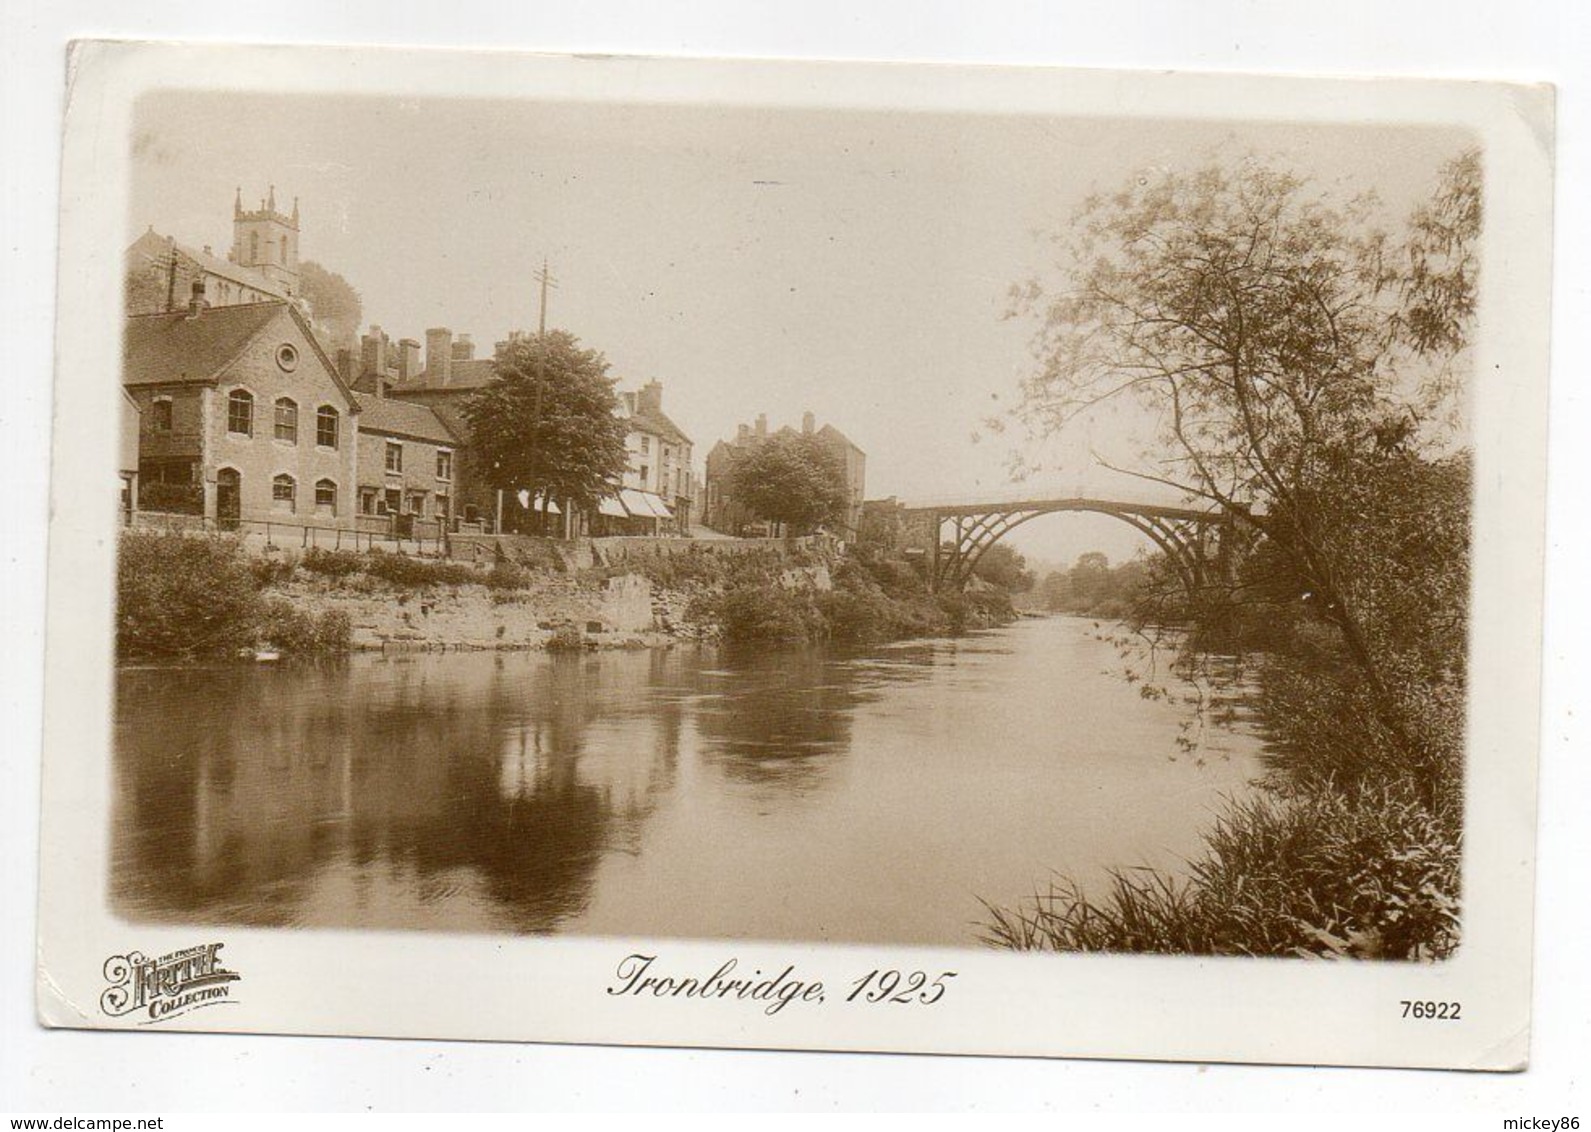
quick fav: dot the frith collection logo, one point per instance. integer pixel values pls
(168, 986)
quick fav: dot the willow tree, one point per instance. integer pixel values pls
(1295, 360)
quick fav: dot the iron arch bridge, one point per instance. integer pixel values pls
(1199, 544)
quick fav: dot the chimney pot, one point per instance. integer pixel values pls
(808, 422)
(197, 302)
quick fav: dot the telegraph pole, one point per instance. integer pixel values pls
(545, 278)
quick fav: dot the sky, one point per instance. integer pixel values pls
(752, 259)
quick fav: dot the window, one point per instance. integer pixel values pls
(284, 493)
(284, 250)
(240, 412)
(394, 456)
(325, 497)
(254, 247)
(442, 511)
(444, 464)
(417, 503)
(391, 501)
(287, 420)
(367, 501)
(644, 471)
(646, 444)
(287, 357)
(326, 427)
(161, 415)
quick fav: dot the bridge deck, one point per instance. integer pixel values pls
(1063, 503)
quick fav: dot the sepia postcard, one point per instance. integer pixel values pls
(796, 555)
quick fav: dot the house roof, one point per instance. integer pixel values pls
(404, 418)
(212, 264)
(656, 422)
(463, 374)
(175, 348)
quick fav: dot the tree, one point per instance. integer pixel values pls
(1003, 566)
(548, 422)
(335, 307)
(1294, 356)
(790, 478)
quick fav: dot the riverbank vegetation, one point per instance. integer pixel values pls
(1304, 366)
(182, 597)
(868, 600)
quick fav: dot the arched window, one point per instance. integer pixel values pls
(240, 412)
(254, 247)
(287, 420)
(325, 497)
(161, 414)
(284, 493)
(326, 427)
(284, 251)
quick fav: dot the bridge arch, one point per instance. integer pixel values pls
(1184, 535)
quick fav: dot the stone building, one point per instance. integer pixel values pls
(658, 486)
(408, 469)
(262, 263)
(723, 513)
(242, 417)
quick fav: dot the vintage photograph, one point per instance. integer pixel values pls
(671, 522)
(731, 521)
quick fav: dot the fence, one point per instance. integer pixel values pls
(272, 534)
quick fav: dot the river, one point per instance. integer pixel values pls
(689, 792)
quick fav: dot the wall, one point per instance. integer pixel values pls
(261, 457)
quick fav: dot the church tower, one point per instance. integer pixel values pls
(267, 241)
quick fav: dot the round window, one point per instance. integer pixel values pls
(287, 356)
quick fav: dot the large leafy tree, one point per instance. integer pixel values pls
(548, 423)
(790, 478)
(1294, 358)
(335, 307)
(1005, 567)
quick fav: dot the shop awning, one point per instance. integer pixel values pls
(644, 505)
(612, 507)
(551, 508)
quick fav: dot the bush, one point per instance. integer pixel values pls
(401, 570)
(272, 571)
(763, 613)
(181, 596)
(333, 563)
(566, 638)
(302, 634)
(505, 576)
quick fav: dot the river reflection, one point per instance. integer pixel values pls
(692, 792)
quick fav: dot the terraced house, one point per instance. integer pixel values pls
(408, 469)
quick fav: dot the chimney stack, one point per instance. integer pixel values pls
(438, 356)
(808, 422)
(463, 349)
(370, 359)
(197, 302)
(742, 433)
(762, 425)
(345, 365)
(650, 398)
(408, 360)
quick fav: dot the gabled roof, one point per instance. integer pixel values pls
(406, 419)
(174, 348)
(657, 423)
(178, 348)
(833, 433)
